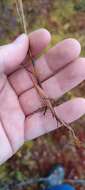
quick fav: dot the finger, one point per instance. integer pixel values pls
(39, 40)
(38, 124)
(13, 54)
(20, 79)
(55, 87)
(56, 58)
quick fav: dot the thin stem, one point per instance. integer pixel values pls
(37, 83)
(21, 14)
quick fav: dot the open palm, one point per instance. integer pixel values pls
(59, 70)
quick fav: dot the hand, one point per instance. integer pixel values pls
(19, 101)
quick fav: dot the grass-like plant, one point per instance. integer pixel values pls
(47, 102)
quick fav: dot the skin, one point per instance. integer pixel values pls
(59, 70)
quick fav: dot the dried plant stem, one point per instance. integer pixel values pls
(36, 82)
(21, 15)
(48, 104)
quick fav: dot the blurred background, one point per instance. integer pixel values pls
(64, 19)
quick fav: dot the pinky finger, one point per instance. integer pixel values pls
(38, 124)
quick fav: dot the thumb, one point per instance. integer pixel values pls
(13, 54)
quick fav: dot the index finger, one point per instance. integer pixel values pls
(13, 54)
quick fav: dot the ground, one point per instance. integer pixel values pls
(37, 157)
